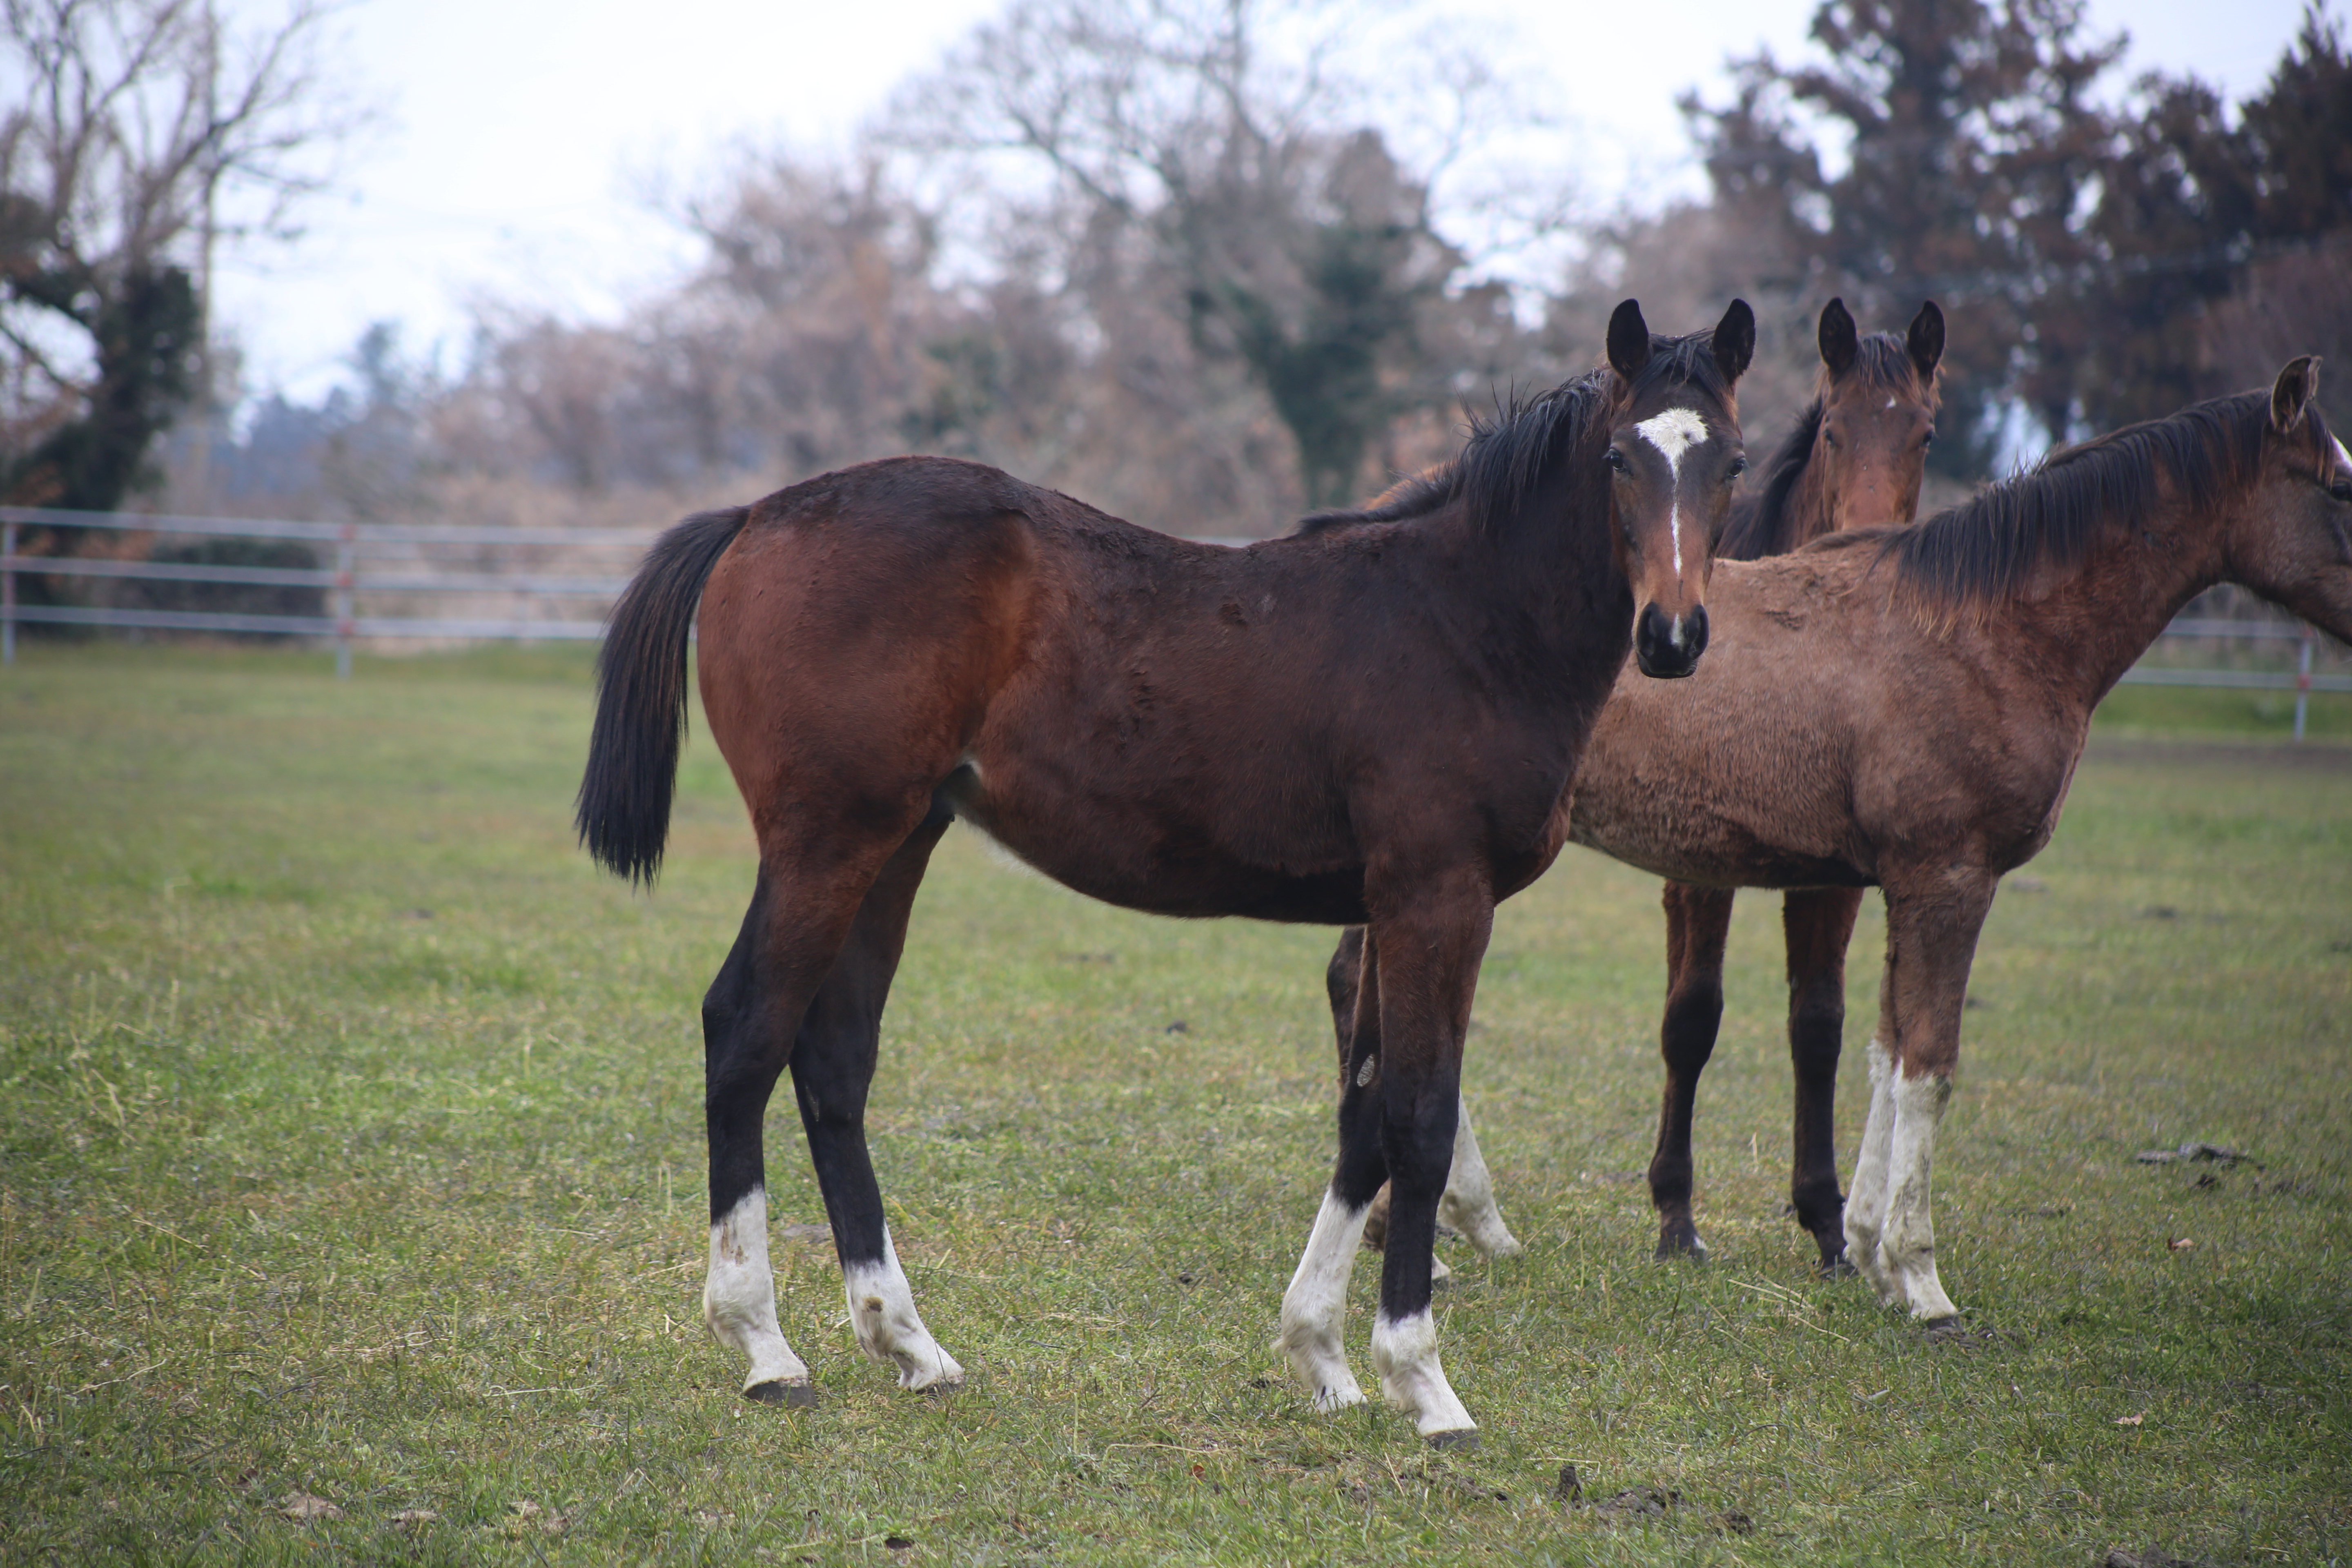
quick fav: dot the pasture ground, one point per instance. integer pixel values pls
(350, 1191)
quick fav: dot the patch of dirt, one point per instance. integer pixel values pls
(1641, 1503)
(302, 1508)
(530, 1518)
(2193, 1151)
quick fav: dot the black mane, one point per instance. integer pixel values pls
(1761, 523)
(1506, 454)
(1984, 550)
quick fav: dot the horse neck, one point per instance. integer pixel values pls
(1555, 572)
(2094, 619)
(1808, 513)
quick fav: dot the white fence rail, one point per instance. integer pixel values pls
(379, 559)
(370, 558)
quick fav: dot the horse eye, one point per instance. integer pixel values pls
(1929, 438)
(2341, 490)
(1614, 459)
(1738, 467)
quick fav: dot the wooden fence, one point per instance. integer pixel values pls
(522, 574)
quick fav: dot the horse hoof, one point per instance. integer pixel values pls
(1460, 1440)
(792, 1396)
(1687, 1248)
(1838, 1269)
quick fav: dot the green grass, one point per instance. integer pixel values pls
(349, 1148)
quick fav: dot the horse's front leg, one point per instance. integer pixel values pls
(1427, 953)
(1469, 1203)
(1818, 924)
(1932, 924)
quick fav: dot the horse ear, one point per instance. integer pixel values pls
(1735, 341)
(1629, 340)
(1840, 343)
(2296, 385)
(1926, 340)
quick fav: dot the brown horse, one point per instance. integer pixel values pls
(1930, 688)
(1855, 461)
(1368, 724)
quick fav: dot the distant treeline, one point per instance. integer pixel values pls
(1167, 256)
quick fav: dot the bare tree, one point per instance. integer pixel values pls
(143, 132)
(1230, 137)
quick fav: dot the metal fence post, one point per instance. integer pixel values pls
(8, 596)
(2302, 684)
(343, 561)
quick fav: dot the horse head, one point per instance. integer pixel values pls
(1878, 398)
(1673, 455)
(2292, 543)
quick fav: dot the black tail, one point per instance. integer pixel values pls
(623, 811)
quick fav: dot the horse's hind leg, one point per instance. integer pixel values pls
(833, 1067)
(1818, 924)
(801, 911)
(1697, 921)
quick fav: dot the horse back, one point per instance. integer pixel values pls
(1828, 736)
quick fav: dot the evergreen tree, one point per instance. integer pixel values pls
(1969, 138)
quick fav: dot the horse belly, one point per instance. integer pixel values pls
(1161, 862)
(1717, 814)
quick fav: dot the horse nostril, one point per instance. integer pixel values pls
(1668, 647)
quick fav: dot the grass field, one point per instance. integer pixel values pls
(351, 1208)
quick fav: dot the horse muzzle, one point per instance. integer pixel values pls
(1667, 646)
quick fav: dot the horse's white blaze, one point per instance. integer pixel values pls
(1404, 1353)
(1674, 431)
(2342, 460)
(1907, 1242)
(1865, 1207)
(1314, 1309)
(882, 1310)
(739, 1294)
(1468, 1205)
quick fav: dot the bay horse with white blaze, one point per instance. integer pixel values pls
(1370, 725)
(1924, 695)
(1855, 459)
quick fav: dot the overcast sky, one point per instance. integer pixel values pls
(519, 135)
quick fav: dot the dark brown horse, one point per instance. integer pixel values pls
(1929, 688)
(1373, 723)
(1855, 459)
